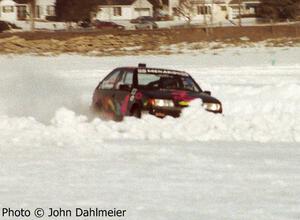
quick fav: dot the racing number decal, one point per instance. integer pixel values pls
(129, 98)
(133, 92)
(135, 95)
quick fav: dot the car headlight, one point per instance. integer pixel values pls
(162, 102)
(212, 106)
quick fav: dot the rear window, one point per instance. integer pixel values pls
(167, 81)
(145, 79)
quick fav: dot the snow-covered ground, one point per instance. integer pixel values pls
(49, 25)
(244, 164)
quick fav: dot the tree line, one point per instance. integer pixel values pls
(75, 10)
(79, 10)
(279, 9)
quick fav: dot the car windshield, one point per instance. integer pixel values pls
(166, 81)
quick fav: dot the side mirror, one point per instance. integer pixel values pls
(207, 92)
(124, 87)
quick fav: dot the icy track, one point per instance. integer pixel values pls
(244, 164)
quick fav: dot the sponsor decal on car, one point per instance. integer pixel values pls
(181, 96)
(162, 71)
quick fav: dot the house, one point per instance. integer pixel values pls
(9, 10)
(45, 9)
(18, 10)
(117, 10)
(248, 8)
(205, 11)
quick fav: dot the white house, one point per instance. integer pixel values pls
(203, 11)
(18, 10)
(9, 10)
(117, 10)
(44, 9)
(247, 7)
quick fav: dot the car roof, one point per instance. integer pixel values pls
(151, 70)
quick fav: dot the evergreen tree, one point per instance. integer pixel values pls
(75, 10)
(280, 9)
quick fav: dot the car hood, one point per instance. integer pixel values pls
(180, 95)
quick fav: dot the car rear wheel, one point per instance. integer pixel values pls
(136, 112)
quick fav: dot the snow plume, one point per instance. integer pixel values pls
(274, 123)
(33, 93)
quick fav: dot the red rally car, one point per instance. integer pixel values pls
(133, 91)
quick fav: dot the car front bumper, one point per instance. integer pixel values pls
(162, 112)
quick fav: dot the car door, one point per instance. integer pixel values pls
(105, 93)
(123, 92)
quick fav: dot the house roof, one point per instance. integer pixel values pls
(129, 2)
(233, 2)
(220, 1)
(21, 1)
(116, 2)
(156, 3)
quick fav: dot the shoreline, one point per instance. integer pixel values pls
(150, 42)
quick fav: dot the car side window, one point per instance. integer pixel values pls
(110, 80)
(189, 84)
(127, 79)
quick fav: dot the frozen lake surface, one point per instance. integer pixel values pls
(244, 164)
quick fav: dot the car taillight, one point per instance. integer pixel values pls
(161, 102)
(151, 102)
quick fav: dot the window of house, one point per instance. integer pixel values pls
(117, 11)
(8, 9)
(203, 10)
(199, 10)
(50, 10)
(223, 8)
(21, 12)
(142, 11)
(38, 11)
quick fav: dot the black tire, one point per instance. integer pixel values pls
(136, 112)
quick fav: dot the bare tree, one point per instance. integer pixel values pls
(205, 11)
(186, 9)
(240, 13)
(276, 10)
(32, 6)
(212, 12)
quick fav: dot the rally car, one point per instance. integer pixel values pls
(133, 91)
